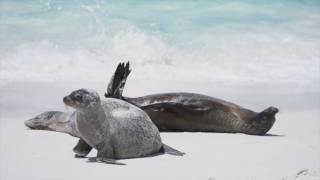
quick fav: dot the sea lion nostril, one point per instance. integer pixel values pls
(271, 110)
(274, 110)
(66, 99)
(27, 123)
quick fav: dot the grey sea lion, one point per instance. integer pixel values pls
(60, 122)
(115, 128)
(54, 121)
(193, 112)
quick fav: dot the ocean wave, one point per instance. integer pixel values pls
(227, 42)
(233, 58)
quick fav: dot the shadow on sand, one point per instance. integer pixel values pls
(274, 135)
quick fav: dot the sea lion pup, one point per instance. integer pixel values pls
(193, 112)
(115, 128)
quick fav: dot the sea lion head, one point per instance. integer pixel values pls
(264, 120)
(82, 98)
(51, 120)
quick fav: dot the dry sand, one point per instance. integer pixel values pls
(290, 150)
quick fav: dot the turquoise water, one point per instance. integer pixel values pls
(238, 41)
(174, 21)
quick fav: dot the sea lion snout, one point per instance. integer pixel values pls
(274, 110)
(29, 123)
(36, 123)
(271, 110)
(67, 100)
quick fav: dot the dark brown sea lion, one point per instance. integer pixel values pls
(193, 112)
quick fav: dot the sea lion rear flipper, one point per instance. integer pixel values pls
(169, 150)
(82, 149)
(118, 80)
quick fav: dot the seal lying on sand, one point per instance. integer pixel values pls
(193, 112)
(115, 128)
(60, 122)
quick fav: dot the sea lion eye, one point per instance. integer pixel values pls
(264, 120)
(77, 96)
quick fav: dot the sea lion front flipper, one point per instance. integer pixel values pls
(81, 149)
(176, 107)
(104, 157)
(109, 161)
(105, 154)
(105, 160)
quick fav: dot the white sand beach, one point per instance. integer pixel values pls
(290, 150)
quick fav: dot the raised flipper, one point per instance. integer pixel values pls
(169, 150)
(82, 149)
(118, 81)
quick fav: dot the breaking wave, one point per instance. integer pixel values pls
(229, 42)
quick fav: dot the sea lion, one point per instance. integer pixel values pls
(114, 127)
(60, 122)
(193, 112)
(54, 121)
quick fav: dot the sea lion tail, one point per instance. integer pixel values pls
(169, 150)
(118, 80)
